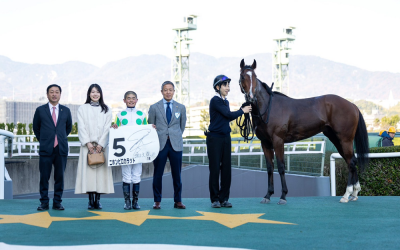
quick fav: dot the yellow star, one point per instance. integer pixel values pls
(37, 219)
(233, 220)
(134, 218)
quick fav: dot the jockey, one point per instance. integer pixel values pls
(131, 116)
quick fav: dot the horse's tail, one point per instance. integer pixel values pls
(361, 143)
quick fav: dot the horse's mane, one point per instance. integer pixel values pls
(269, 90)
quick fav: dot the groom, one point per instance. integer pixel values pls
(52, 123)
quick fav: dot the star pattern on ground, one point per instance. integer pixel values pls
(44, 219)
(233, 220)
(37, 219)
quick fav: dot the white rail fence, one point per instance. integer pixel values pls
(295, 148)
(4, 135)
(22, 147)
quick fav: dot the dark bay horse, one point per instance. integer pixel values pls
(279, 119)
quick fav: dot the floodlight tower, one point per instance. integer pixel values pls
(180, 61)
(280, 60)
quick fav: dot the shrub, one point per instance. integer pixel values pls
(382, 177)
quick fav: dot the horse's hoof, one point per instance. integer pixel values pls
(265, 201)
(282, 202)
(344, 200)
(353, 198)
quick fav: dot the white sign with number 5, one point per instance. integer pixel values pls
(132, 144)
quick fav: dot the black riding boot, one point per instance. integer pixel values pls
(97, 204)
(91, 201)
(135, 195)
(126, 189)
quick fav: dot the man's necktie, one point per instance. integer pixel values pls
(168, 113)
(55, 124)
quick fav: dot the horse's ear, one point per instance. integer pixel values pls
(254, 65)
(242, 63)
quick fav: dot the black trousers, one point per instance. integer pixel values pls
(219, 157)
(45, 166)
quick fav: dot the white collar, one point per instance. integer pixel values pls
(218, 95)
(51, 106)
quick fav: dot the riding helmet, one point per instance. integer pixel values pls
(220, 79)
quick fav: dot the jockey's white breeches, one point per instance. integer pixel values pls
(131, 173)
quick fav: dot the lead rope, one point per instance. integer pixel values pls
(245, 125)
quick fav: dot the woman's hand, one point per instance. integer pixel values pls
(246, 109)
(114, 126)
(99, 148)
(90, 147)
(154, 126)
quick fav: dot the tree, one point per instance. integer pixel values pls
(31, 131)
(10, 127)
(385, 122)
(205, 119)
(376, 122)
(19, 128)
(3, 126)
(74, 130)
(390, 121)
(394, 120)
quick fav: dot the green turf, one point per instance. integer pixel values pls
(321, 223)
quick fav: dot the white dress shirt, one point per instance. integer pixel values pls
(57, 110)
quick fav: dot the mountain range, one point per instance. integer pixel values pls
(309, 76)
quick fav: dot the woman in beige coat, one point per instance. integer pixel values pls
(94, 121)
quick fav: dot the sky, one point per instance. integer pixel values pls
(364, 34)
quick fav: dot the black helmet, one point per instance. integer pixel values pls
(220, 79)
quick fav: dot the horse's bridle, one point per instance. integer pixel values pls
(246, 96)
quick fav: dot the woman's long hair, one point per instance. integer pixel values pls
(101, 101)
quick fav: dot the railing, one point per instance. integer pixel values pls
(196, 149)
(254, 149)
(3, 136)
(31, 148)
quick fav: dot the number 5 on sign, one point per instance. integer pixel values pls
(132, 144)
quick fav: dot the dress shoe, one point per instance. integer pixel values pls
(179, 205)
(157, 205)
(58, 206)
(226, 204)
(43, 206)
(216, 204)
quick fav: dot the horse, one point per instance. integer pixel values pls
(279, 119)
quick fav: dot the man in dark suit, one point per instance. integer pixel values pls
(52, 123)
(169, 116)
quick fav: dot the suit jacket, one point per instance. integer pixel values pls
(45, 130)
(174, 129)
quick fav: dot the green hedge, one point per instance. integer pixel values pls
(382, 177)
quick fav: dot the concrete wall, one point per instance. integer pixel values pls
(245, 183)
(24, 174)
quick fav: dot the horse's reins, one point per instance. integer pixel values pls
(268, 109)
(247, 126)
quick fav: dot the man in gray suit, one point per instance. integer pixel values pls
(169, 117)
